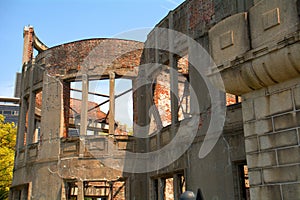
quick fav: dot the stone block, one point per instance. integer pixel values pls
(248, 110)
(251, 144)
(271, 20)
(165, 138)
(291, 191)
(286, 121)
(282, 174)
(297, 97)
(281, 139)
(263, 159)
(32, 152)
(258, 127)
(229, 38)
(281, 102)
(262, 107)
(270, 192)
(153, 143)
(289, 156)
(255, 177)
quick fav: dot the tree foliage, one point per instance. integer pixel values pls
(7, 151)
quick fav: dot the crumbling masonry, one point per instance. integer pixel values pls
(66, 140)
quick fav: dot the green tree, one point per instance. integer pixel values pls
(7, 151)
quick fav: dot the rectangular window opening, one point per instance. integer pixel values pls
(37, 116)
(183, 88)
(160, 113)
(244, 185)
(166, 187)
(25, 118)
(98, 108)
(169, 189)
(232, 99)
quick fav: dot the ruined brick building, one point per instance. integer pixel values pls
(68, 147)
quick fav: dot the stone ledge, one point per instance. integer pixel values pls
(262, 67)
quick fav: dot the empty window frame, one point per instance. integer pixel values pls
(98, 108)
(232, 99)
(95, 190)
(162, 94)
(169, 187)
(242, 181)
(183, 88)
(37, 116)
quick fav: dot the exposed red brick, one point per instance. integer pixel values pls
(200, 12)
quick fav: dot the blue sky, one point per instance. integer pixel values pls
(60, 21)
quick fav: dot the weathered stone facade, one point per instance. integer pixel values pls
(254, 45)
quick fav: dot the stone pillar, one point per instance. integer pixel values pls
(31, 109)
(22, 123)
(28, 44)
(264, 68)
(176, 183)
(173, 72)
(271, 125)
(161, 186)
(83, 113)
(80, 195)
(84, 104)
(51, 124)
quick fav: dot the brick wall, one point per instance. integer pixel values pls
(28, 44)
(162, 98)
(110, 54)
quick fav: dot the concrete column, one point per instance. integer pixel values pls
(173, 72)
(83, 113)
(176, 185)
(22, 120)
(111, 117)
(111, 188)
(31, 109)
(157, 118)
(51, 124)
(84, 105)
(80, 195)
(161, 186)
